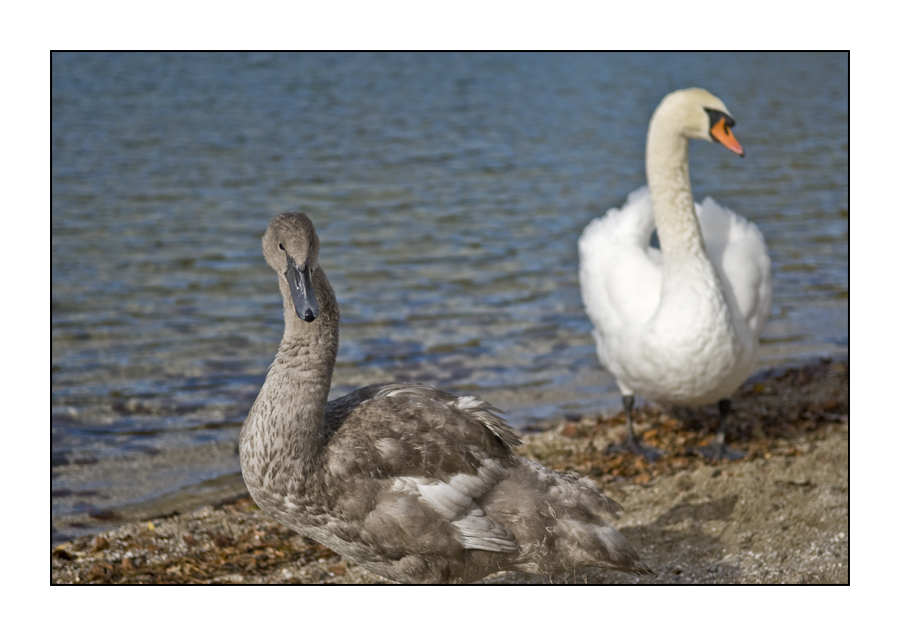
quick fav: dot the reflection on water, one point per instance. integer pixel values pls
(449, 192)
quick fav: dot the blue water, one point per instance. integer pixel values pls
(448, 191)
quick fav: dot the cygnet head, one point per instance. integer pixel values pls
(697, 114)
(291, 248)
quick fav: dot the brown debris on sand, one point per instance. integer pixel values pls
(775, 414)
(780, 515)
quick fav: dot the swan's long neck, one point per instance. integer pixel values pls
(691, 295)
(290, 409)
(670, 190)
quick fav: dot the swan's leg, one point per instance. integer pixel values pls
(633, 443)
(718, 449)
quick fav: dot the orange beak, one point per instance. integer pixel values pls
(722, 133)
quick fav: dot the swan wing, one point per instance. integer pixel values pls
(482, 412)
(620, 274)
(738, 252)
(413, 460)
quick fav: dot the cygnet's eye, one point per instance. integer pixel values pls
(281, 247)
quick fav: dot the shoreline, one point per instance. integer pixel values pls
(780, 515)
(92, 493)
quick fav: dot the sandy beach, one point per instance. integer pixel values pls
(780, 515)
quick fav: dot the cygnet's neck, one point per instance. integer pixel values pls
(670, 190)
(304, 365)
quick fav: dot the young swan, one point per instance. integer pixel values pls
(415, 484)
(679, 325)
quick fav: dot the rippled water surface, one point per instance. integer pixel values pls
(448, 191)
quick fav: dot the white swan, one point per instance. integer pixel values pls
(415, 484)
(679, 325)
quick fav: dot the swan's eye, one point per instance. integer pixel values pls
(281, 247)
(716, 115)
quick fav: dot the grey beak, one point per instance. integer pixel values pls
(300, 282)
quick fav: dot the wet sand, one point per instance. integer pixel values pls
(780, 515)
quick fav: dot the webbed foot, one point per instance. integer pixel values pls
(635, 446)
(718, 450)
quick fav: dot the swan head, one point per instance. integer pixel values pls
(697, 114)
(291, 248)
